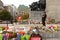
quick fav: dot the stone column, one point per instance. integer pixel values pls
(53, 9)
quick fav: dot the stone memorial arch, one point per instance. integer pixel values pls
(53, 9)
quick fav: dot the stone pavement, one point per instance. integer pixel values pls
(52, 39)
(50, 36)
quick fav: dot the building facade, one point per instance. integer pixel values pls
(1, 5)
(12, 9)
(22, 9)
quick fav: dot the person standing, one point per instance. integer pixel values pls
(1, 36)
(44, 19)
(18, 36)
(5, 36)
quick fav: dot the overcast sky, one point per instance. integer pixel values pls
(18, 2)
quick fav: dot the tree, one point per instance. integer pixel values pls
(5, 16)
(38, 6)
(25, 16)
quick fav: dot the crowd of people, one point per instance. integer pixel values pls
(30, 35)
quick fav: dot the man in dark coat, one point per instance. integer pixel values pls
(44, 19)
